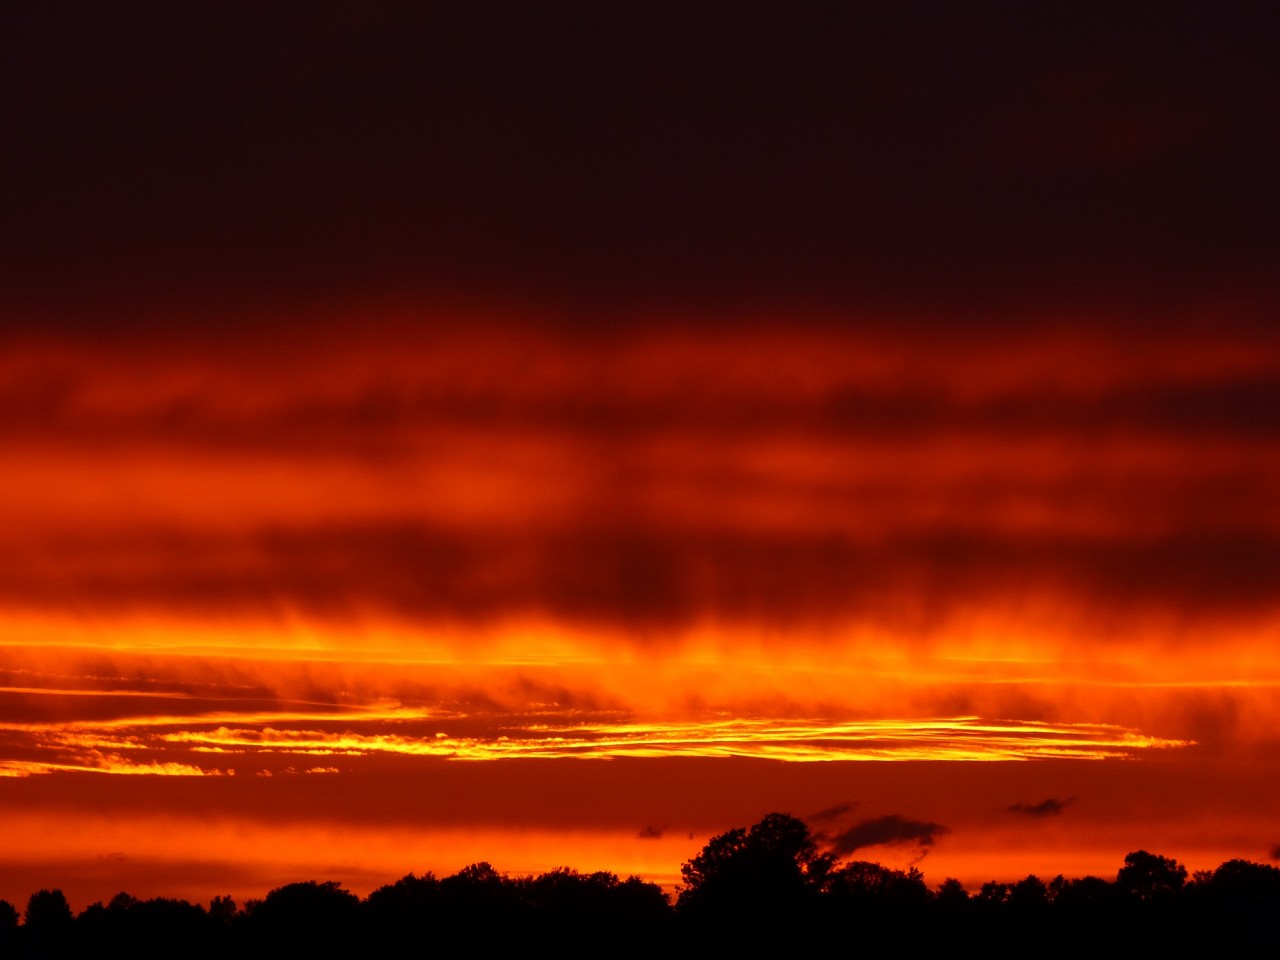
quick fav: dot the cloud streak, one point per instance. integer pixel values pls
(1049, 807)
(181, 744)
(891, 830)
(808, 478)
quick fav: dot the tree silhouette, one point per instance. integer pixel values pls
(397, 912)
(1085, 895)
(566, 892)
(992, 894)
(306, 918)
(870, 886)
(762, 889)
(1150, 878)
(150, 928)
(48, 910)
(772, 868)
(1241, 892)
(1029, 894)
(8, 925)
(579, 912)
(47, 923)
(951, 897)
(479, 896)
(222, 910)
(410, 894)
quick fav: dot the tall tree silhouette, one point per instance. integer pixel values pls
(773, 868)
(8, 926)
(1151, 878)
(48, 924)
(306, 919)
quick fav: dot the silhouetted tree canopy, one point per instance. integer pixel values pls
(565, 892)
(1085, 894)
(952, 897)
(772, 867)
(409, 893)
(222, 910)
(48, 910)
(149, 927)
(1151, 878)
(307, 917)
(1029, 893)
(1241, 892)
(8, 927)
(767, 886)
(869, 885)
(992, 894)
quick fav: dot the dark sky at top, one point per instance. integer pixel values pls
(914, 154)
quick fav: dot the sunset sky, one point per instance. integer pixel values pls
(556, 433)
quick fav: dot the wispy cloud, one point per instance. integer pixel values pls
(1049, 807)
(107, 763)
(835, 812)
(962, 738)
(892, 830)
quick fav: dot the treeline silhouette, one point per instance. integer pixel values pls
(763, 887)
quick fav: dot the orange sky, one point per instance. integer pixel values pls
(403, 596)
(558, 433)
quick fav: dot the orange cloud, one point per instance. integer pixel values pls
(398, 546)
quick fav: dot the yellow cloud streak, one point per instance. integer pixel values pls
(90, 692)
(389, 714)
(961, 738)
(26, 768)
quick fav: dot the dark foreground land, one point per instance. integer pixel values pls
(763, 890)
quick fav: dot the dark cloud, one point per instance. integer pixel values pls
(643, 578)
(1275, 852)
(376, 409)
(587, 487)
(892, 830)
(1049, 807)
(833, 813)
(651, 833)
